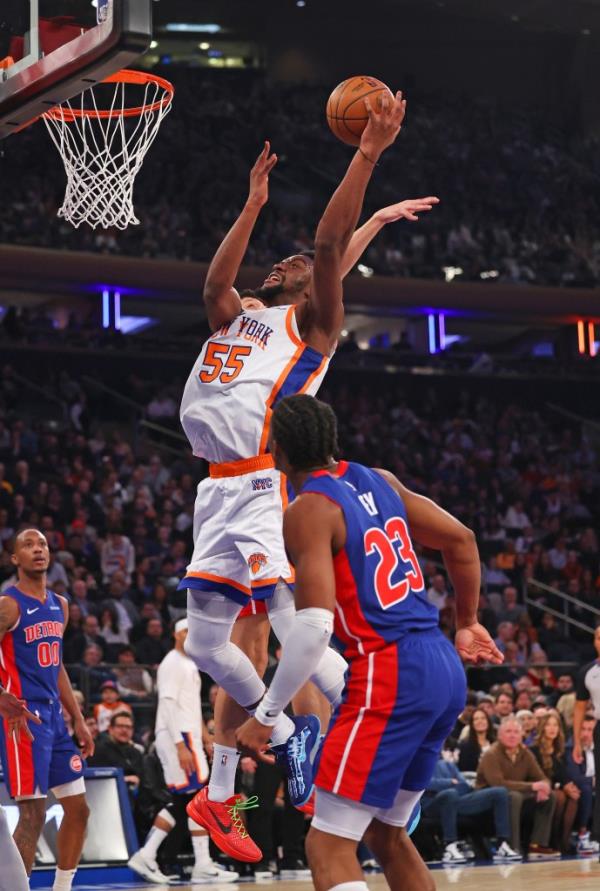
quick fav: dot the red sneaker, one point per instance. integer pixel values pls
(223, 822)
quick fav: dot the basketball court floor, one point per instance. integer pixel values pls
(565, 875)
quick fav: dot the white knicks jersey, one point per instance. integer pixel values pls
(244, 369)
(178, 679)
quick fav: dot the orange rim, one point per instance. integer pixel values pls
(125, 76)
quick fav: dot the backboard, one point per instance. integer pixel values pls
(51, 50)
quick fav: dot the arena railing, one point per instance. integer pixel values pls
(568, 601)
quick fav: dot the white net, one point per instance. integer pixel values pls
(104, 149)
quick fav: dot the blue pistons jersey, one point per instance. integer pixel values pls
(31, 652)
(380, 589)
(30, 663)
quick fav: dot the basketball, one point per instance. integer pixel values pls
(346, 112)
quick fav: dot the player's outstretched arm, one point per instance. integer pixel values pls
(309, 527)
(408, 209)
(434, 527)
(324, 311)
(221, 298)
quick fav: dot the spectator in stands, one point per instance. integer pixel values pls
(449, 796)
(96, 672)
(437, 593)
(117, 553)
(119, 596)
(506, 633)
(86, 634)
(116, 749)
(583, 774)
(494, 578)
(480, 735)
(515, 519)
(153, 646)
(109, 705)
(511, 610)
(508, 763)
(503, 706)
(540, 673)
(133, 681)
(92, 725)
(79, 594)
(549, 750)
(112, 633)
(523, 701)
(564, 686)
(529, 725)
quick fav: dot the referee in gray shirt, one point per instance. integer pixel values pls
(588, 687)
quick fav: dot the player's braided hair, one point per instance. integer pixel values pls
(306, 429)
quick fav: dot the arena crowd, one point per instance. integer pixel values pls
(519, 194)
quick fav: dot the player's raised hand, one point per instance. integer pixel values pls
(474, 644)
(409, 209)
(259, 176)
(383, 125)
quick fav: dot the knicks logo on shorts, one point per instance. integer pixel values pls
(76, 764)
(255, 561)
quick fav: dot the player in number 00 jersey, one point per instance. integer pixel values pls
(348, 535)
(32, 624)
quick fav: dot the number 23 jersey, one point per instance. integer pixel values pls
(244, 369)
(380, 589)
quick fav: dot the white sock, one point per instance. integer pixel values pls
(154, 840)
(282, 730)
(200, 845)
(350, 886)
(63, 879)
(222, 776)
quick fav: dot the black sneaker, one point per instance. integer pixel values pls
(262, 870)
(289, 868)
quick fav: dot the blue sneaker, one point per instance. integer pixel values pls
(297, 755)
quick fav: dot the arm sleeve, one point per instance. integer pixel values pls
(303, 650)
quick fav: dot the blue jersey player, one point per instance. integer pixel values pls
(32, 624)
(12, 873)
(349, 536)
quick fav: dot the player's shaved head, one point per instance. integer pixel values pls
(31, 554)
(31, 533)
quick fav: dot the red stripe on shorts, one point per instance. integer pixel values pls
(20, 754)
(350, 748)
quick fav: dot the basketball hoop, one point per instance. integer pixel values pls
(103, 149)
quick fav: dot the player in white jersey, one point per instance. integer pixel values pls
(12, 870)
(181, 739)
(253, 359)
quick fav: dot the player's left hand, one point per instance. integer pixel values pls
(252, 738)
(405, 210)
(84, 737)
(474, 644)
